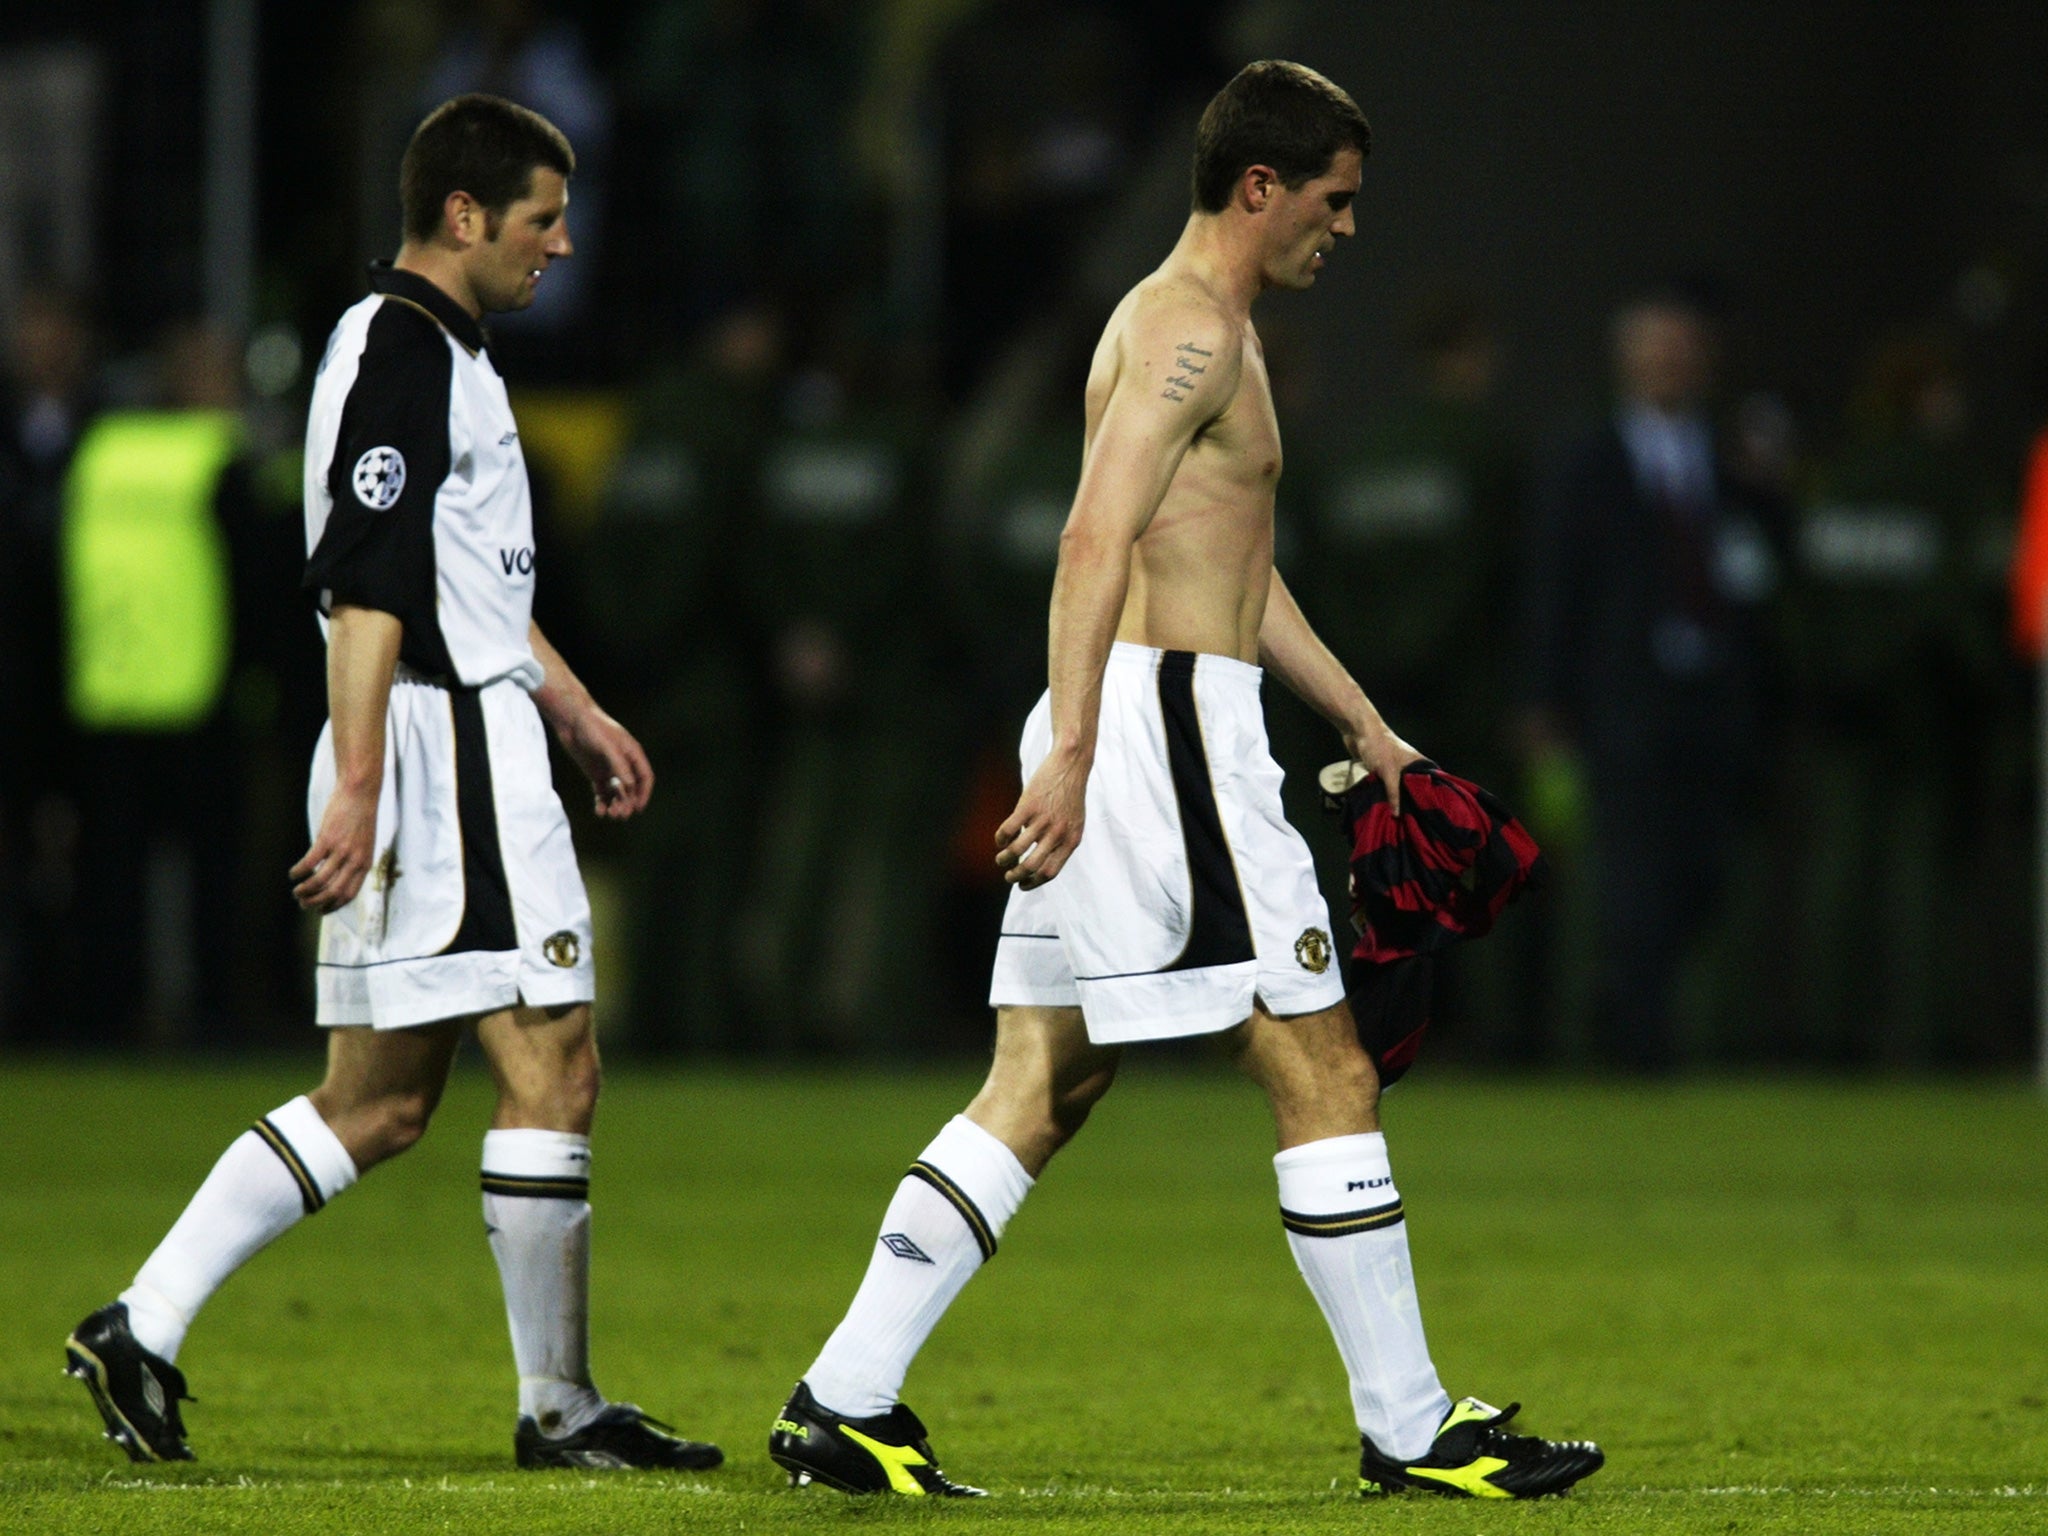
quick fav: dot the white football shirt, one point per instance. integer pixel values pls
(417, 501)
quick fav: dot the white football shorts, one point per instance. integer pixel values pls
(474, 903)
(1190, 895)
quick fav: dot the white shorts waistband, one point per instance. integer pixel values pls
(1226, 671)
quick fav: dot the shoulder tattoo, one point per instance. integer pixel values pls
(1190, 362)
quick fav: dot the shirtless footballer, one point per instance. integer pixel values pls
(1157, 890)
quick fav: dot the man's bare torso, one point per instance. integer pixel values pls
(1201, 570)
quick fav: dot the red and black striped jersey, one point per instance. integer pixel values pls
(1441, 871)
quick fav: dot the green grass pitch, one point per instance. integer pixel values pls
(1780, 1307)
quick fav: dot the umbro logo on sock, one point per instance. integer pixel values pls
(904, 1248)
(1352, 1184)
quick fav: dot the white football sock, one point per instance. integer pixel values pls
(1344, 1223)
(942, 1225)
(286, 1166)
(537, 1212)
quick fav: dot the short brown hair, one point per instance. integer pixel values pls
(483, 145)
(1273, 113)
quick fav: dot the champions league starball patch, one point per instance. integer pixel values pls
(379, 478)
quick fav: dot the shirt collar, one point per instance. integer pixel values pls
(393, 282)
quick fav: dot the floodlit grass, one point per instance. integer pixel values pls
(1780, 1307)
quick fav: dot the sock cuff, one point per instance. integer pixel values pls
(538, 1165)
(1337, 1186)
(1365, 1147)
(978, 1175)
(310, 1151)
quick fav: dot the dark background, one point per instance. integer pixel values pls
(1825, 172)
(1836, 167)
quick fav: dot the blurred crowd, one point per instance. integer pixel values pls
(1748, 684)
(1746, 676)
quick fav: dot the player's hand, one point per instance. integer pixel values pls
(620, 776)
(332, 871)
(1383, 755)
(1037, 838)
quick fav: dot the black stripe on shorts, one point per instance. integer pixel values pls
(1219, 932)
(486, 895)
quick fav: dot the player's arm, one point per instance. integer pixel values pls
(1178, 372)
(1297, 656)
(362, 654)
(619, 773)
(372, 568)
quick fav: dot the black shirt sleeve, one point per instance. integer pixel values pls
(377, 550)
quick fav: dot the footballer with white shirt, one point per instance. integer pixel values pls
(441, 860)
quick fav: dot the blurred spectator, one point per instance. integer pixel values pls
(277, 696)
(1406, 570)
(837, 915)
(1044, 103)
(672, 632)
(1008, 540)
(1895, 660)
(743, 175)
(524, 51)
(1649, 568)
(384, 55)
(46, 403)
(1009, 537)
(149, 616)
(1409, 546)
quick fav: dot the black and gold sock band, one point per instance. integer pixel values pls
(1342, 1224)
(551, 1187)
(309, 1189)
(984, 1235)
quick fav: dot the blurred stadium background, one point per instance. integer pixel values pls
(803, 415)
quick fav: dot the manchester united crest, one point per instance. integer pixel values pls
(1312, 950)
(561, 949)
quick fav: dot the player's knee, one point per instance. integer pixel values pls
(582, 1080)
(1312, 1077)
(398, 1120)
(1072, 1101)
(558, 1091)
(572, 1081)
(1336, 1094)
(1352, 1079)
